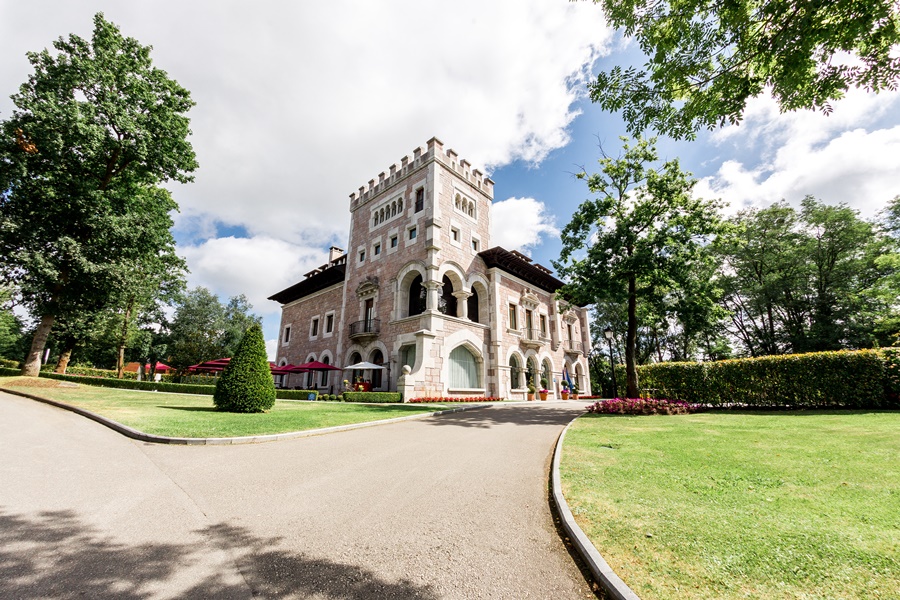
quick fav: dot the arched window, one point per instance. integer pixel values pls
(400, 205)
(447, 304)
(323, 378)
(515, 373)
(579, 378)
(417, 296)
(472, 308)
(463, 368)
(376, 358)
(375, 219)
(381, 217)
(458, 202)
(393, 209)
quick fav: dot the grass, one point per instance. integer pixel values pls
(188, 415)
(741, 505)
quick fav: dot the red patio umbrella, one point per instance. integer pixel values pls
(317, 366)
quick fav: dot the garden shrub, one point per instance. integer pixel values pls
(7, 363)
(5, 371)
(849, 379)
(891, 358)
(130, 384)
(379, 397)
(246, 384)
(297, 394)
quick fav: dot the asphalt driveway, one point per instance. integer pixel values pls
(452, 506)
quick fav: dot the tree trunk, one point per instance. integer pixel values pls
(123, 339)
(63, 363)
(32, 366)
(631, 379)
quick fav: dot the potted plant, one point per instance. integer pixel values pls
(565, 389)
(575, 390)
(530, 389)
(543, 391)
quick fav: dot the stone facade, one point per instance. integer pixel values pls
(420, 286)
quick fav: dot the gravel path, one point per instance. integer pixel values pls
(448, 507)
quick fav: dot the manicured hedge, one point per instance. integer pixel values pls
(91, 372)
(296, 394)
(5, 371)
(381, 397)
(130, 384)
(847, 379)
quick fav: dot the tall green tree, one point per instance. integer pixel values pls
(706, 59)
(820, 278)
(204, 329)
(644, 234)
(95, 130)
(246, 384)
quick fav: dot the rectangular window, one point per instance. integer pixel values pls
(362, 255)
(412, 233)
(512, 317)
(543, 324)
(454, 234)
(377, 249)
(420, 199)
(314, 328)
(475, 245)
(329, 323)
(287, 334)
(394, 241)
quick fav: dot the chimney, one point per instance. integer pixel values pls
(334, 253)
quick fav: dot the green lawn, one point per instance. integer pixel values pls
(754, 505)
(184, 415)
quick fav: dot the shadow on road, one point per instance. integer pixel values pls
(56, 555)
(515, 414)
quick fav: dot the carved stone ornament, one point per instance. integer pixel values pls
(368, 287)
(529, 300)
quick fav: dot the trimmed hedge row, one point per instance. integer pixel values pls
(379, 397)
(296, 394)
(8, 372)
(847, 379)
(131, 384)
(91, 372)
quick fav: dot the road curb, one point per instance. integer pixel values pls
(600, 569)
(250, 439)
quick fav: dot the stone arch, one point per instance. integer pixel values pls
(400, 205)
(378, 377)
(547, 372)
(458, 202)
(405, 279)
(532, 371)
(474, 345)
(479, 307)
(447, 304)
(515, 362)
(354, 355)
(325, 376)
(579, 379)
(455, 273)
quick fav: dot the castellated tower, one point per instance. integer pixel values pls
(422, 294)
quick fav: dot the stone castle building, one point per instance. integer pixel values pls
(421, 286)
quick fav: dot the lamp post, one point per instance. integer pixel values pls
(608, 334)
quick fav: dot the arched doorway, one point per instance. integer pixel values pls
(355, 376)
(417, 295)
(515, 373)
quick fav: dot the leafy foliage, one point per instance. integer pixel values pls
(848, 379)
(706, 59)
(246, 384)
(644, 238)
(95, 130)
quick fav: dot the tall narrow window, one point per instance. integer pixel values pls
(472, 308)
(447, 303)
(323, 379)
(515, 373)
(314, 328)
(287, 334)
(413, 233)
(417, 295)
(329, 323)
(420, 199)
(513, 322)
(543, 325)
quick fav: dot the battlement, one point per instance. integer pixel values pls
(434, 149)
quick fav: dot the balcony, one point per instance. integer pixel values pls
(573, 347)
(365, 329)
(532, 338)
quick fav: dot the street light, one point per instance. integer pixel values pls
(608, 334)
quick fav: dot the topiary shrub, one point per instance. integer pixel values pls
(246, 384)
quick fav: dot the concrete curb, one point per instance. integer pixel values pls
(250, 439)
(603, 574)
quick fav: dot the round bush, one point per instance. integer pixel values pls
(246, 384)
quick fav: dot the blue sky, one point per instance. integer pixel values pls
(298, 104)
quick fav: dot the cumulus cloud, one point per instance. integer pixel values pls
(520, 224)
(298, 104)
(257, 267)
(848, 156)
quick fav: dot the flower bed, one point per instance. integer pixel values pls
(437, 399)
(640, 406)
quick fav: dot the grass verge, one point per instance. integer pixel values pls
(741, 505)
(184, 415)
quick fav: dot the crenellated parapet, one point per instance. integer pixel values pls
(433, 150)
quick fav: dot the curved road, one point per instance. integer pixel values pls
(447, 507)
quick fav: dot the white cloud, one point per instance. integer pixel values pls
(272, 349)
(257, 267)
(843, 157)
(298, 104)
(520, 223)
